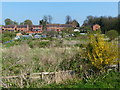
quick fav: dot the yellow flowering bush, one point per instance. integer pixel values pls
(101, 53)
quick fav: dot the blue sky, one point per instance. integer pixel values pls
(20, 11)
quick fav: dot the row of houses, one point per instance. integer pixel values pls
(35, 28)
(39, 28)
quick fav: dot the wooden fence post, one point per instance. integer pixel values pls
(118, 66)
(42, 75)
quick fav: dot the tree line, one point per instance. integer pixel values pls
(106, 23)
(46, 20)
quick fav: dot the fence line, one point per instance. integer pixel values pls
(37, 75)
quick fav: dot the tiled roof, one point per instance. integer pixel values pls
(21, 26)
(59, 25)
(48, 25)
(9, 26)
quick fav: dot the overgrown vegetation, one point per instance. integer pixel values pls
(112, 34)
(106, 23)
(84, 56)
(6, 36)
(107, 80)
(100, 52)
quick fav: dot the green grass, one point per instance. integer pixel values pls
(49, 55)
(108, 80)
(51, 42)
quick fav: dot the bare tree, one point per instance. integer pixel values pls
(49, 19)
(68, 19)
(45, 18)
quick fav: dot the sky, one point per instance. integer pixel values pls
(20, 11)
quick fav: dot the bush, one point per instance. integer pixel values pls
(95, 32)
(79, 45)
(44, 44)
(31, 44)
(6, 36)
(101, 53)
(40, 44)
(112, 34)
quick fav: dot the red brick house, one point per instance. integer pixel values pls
(22, 28)
(9, 27)
(35, 28)
(96, 27)
(57, 27)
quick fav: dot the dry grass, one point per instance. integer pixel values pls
(21, 59)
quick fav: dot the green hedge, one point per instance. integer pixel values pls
(112, 34)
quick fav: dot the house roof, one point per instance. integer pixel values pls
(21, 26)
(48, 25)
(37, 25)
(9, 26)
(60, 25)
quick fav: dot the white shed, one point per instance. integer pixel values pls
(76, 30)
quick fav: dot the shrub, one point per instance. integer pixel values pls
(44, 44)
(95, 32)
(112, 34)
(79, 45)
(101, 53)
(31, 44)
(6, 36)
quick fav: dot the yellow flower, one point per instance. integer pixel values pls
(102, 52)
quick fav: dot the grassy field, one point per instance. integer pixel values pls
(52, 55)
(107, 80)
